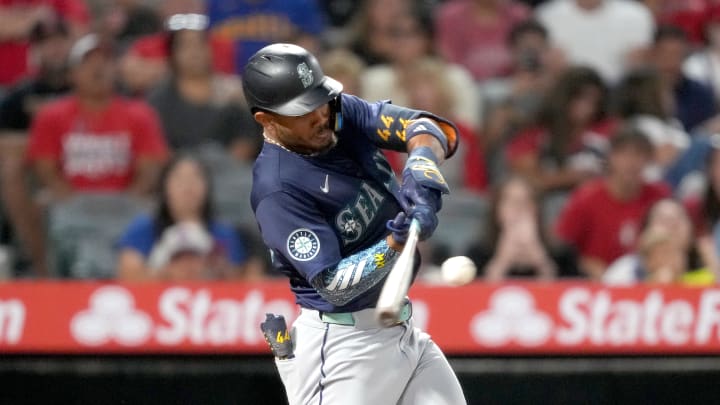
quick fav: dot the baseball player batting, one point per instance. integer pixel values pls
(335, 220)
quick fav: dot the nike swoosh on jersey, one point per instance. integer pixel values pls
(326, 187)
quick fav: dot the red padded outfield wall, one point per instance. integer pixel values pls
(503, 319)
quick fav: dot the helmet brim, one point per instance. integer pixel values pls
(327, 90)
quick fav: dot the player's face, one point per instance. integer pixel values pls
(306, 134)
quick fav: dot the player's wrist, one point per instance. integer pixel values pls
(393, 244)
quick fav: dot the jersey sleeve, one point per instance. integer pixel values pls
(299, 233)
(384, 123)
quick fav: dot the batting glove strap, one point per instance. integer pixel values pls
(422, 167)
(426, 126)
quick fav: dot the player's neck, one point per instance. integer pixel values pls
(276, 142)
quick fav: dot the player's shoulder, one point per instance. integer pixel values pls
(277, 171)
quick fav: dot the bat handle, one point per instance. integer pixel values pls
(397, 283)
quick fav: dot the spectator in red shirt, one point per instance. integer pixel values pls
(94, 141)
(17, 19)
(146, 61)
(568, 143)
(602, 218)
(472, 33)
(690, 15)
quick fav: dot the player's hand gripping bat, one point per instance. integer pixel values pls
(397, 283)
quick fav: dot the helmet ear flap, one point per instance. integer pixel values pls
(336, 113)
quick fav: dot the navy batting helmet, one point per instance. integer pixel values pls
(287, 79)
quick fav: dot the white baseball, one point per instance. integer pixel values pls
(458, 270)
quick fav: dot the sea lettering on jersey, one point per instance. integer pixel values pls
(353, 219)
(385, 169)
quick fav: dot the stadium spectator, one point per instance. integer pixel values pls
(607, 35)
(694, 102)
(17, 19)
(666, 252)
(253, 24)
(344, 66)
(642, 101)
(704, 64)
(93, 140)
(509, 103)
(472, 33)
(568, 140)
(690, 15)
(127, 20)
(602, 218)
(145, 63)
(198, 106)
(372, 29)
(182, 240)
(50, 44)
(428, 88)
(411, 41)
(515, 244)
(704, 208)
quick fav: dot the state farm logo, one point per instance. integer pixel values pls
(182, 316)
(111, 317)
(511, 318)
(587, 317)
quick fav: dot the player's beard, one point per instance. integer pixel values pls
(331, 142)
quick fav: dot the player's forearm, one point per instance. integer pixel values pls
(426, 132)
(429, 141)
(356, 274)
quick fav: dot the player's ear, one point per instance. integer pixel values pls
(266, 121)
(261, 117)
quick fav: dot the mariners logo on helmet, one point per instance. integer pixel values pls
(303, 244)
(305, 74)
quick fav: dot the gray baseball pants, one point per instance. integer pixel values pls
(365, 364)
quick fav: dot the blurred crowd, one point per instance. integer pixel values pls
(590, 131)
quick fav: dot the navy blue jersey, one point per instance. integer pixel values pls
(314, 211)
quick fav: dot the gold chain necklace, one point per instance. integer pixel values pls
(274, 142)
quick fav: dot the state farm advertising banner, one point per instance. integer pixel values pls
(504, 319)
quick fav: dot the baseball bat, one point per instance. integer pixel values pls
(397, 282)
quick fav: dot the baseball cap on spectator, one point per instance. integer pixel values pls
(43, 30)
(85, 45)
(181, 238)
(194, 22)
